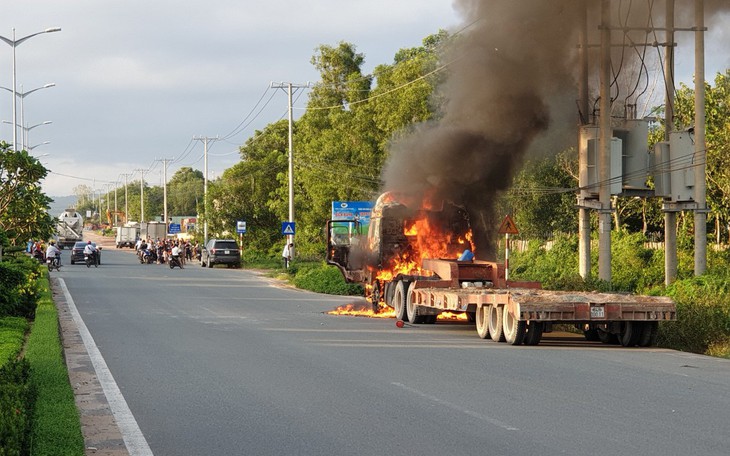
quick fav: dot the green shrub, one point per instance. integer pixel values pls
(323, 279)
(18, 282)
(17, 398)
(703, 313)
(12, 335)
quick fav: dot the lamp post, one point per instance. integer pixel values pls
(24, 140)
(41, 144)
(15, 43)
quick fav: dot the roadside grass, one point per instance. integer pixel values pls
(12, 335)
(56, 426)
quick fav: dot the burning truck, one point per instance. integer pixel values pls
(409, 260)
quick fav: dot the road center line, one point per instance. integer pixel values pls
(471, 413)
(131, 433)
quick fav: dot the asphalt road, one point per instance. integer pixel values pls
(226, 362)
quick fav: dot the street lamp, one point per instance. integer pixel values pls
(15, 43)
(22, 95)
(25, 141)
(33, 147)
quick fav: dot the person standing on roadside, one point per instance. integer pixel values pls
(286, 254)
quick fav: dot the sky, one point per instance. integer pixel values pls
(135, 80)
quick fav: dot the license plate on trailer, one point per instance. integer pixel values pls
(227, 252)
(598, 312)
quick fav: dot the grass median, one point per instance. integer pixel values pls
(56, 428)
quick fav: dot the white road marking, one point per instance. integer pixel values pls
(471, 413)
(131, 433)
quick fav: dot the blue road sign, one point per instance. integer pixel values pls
(241, 227)
(287, 228)
(174, 228)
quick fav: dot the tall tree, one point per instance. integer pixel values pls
(23, 205)
(184, 191)
(254, 189)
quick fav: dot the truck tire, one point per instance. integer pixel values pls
(606, 336)
(648, 335)
(399, 301)
(630, 332)
(375, 297)
(534, 332)
(482, 317)
(514, 329)
(412, 308)
(495, 323)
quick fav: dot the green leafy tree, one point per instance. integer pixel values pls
(542, 198)
(331, 162)
(251, 189)
(184, 191)
(23, 205)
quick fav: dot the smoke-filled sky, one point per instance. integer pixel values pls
(136, 80)
(512, 90)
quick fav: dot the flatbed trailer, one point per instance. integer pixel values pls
(520, 312)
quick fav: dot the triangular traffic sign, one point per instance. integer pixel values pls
(508, 226)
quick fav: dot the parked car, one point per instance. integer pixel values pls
(77, 252)
(221, 251)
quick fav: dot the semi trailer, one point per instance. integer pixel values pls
(409, 260)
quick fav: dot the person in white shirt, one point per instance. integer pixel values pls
(286, 254)
(90, 249)
(176, 255)
(53, 252)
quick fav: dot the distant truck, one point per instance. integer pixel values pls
(153, 230)
(408, 260)
(69, 226)
(127, 236)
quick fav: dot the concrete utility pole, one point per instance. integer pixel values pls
(116, 211)
(164, 188)
(604, 195)
(584, 215)
(205, 140)
(290, 86)
(126, 196)
(700, 149)
(698, 200)
(670, 216)
(141, 195)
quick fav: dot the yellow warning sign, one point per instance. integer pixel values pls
(508, 226)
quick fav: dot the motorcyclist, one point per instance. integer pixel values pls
(53, 252)
(176, 255)
(90, 250)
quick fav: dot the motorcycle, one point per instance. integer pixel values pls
(175, 261)
(89, 259)
(53, 262)
(146, 257)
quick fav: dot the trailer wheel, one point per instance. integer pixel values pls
(606, 336)
(514, 329)
(399, 301)
(495, 323)
(533, 332)
(412, 307)
(649, 330)
(375, 297)
(630, 332)
(482, 317)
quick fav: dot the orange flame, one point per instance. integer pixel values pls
(426, 239)
(363, 310)
(366, 310)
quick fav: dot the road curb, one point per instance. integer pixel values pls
(98, 426)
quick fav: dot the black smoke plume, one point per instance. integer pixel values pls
(511, 90)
